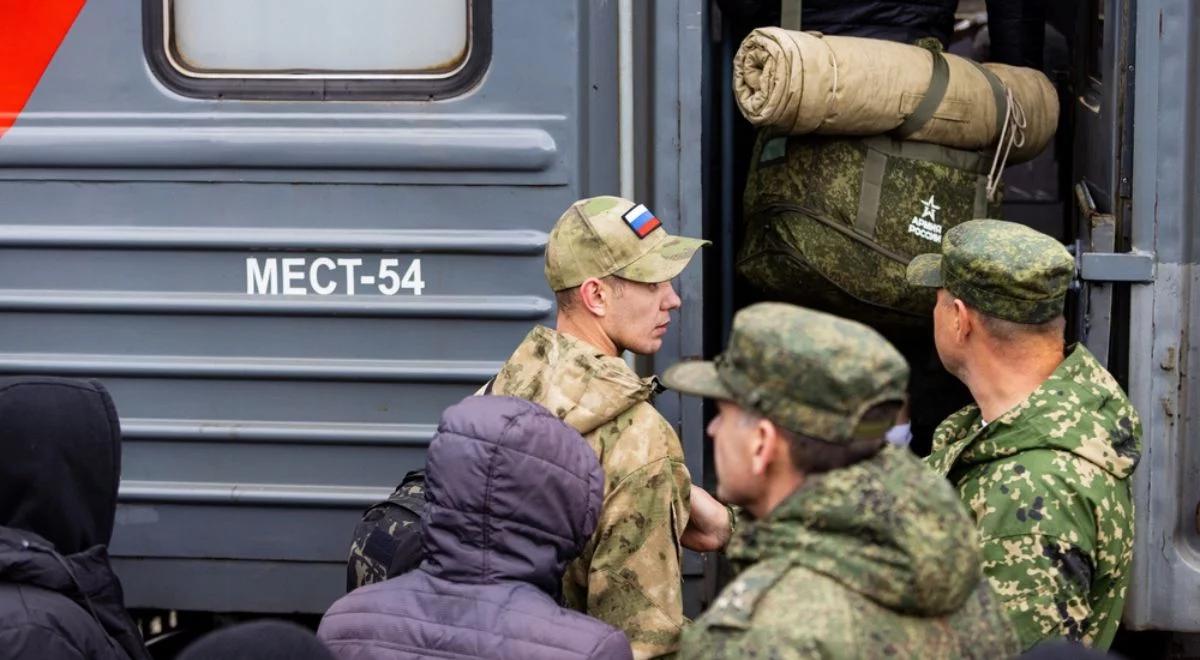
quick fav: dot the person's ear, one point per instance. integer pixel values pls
(963, 323)
(594, 295)
(764, 446)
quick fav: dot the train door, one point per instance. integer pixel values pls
(1160, 258)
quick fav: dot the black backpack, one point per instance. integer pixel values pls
(387, 541)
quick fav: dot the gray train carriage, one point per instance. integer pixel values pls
(285, 262)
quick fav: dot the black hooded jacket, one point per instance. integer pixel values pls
(60, 462)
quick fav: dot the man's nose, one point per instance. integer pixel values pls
(671, 300)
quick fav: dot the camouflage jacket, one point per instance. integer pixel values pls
(1048, 483)
(877, 559)
(629, 575)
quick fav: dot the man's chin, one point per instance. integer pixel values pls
(650, 347)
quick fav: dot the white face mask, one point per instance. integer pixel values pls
(900, 434)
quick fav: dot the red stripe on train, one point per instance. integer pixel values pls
(30, 33)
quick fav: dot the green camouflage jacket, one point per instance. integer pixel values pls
(629, 574)
(1048, 483)
(877, 559)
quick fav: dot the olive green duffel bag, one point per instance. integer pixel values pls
(832, 222)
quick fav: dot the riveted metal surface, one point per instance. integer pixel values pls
(1164, 346)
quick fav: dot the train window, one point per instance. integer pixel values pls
(367, 49)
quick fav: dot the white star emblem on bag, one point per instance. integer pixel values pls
(931, 208)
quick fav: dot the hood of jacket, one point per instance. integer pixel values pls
(85, 578)
(572, 379)
(61, 444)
(512, 494)
(887, 528)
(1080, 409)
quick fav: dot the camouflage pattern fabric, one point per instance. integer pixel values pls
(874, 560)
(1049, 485)
(1003, 269)
(629, 574)
(805, 243)
(808, 371)
(387, 541)
(603, 236)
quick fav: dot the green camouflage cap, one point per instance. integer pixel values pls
(1003, 269)
(603, 236)
(810, 372)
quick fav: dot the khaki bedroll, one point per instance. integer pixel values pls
(805, 82)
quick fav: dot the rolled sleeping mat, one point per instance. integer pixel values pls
(804, 82)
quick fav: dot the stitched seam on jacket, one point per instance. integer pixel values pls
(540, 459)
(359, 639)
(487, 493)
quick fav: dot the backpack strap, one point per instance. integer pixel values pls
(789, 14)
(939, 80)
(874, 168)
(998, 95)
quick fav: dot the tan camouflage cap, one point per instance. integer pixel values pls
(603, 236)
(1003, 269)
(810, 372)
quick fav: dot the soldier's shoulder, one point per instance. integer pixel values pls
(772, 592)
(774, 608)
(1051, 470)
(1048, 492)
(638, 437)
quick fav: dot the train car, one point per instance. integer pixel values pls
(287, 233)
(285, 260)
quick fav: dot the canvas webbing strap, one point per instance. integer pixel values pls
(997, 93)
(789, 14)
(961, 159)
(981, 198)
(939, 80)
(874, 166)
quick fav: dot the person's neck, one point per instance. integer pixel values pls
(1001, 380)
(587, 330)
(778, 489)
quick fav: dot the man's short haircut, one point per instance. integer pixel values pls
(814, 455)
(1007, 331)
(567, 298)
(1011, 330)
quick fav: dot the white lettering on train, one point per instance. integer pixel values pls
(265, 275)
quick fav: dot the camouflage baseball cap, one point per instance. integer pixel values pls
(1003, 269)
(603, 236)
(810, 372)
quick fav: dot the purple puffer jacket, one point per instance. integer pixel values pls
(513, 495)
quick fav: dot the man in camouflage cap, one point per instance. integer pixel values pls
(1043, 458)
(856, 550)
(610, 263)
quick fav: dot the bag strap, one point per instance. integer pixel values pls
(939, 80)
(871, 190)
(998, 95)
(789, 14)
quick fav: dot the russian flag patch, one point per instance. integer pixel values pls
(641, 220)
